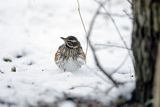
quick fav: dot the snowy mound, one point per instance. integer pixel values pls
(29, 38)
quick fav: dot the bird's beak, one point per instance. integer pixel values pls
(63, 38)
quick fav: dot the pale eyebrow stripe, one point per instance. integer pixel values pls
(71, 40)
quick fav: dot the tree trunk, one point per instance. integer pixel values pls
(157, 82)
(145, 39)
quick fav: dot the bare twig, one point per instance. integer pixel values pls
(116, 46)
(92, 47)
(121, 64)
(127, 14)
(79, 11)
(109, 89)
(124, 60)
(117, 29)
(114, 14)
(113, 21)
(119, 15)
(129, 1)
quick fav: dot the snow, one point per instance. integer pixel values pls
(67, 104)
(30, 32)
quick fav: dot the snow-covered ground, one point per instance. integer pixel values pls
(30, 32)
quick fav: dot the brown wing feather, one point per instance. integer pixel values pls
(82, 54)
(58, 53)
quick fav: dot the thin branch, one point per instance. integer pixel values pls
(124, 60)
(109, 89)
(113, 21)
(93, 49)
(127, 14)
(115, 14)
(117, 29)
(129, 1)
(121, 64)
(116, 46)
(79, 11)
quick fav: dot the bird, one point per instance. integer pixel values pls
(70, 55)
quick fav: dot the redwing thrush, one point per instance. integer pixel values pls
(70, 55)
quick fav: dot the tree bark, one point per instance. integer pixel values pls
(157, 82)
(145, 39)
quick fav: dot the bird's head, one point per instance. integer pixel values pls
(71, 42)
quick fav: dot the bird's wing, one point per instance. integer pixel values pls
(58, 53)
(82, 54)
